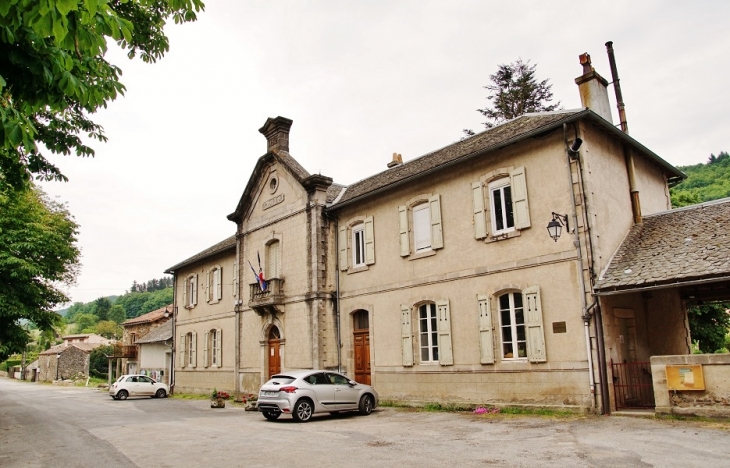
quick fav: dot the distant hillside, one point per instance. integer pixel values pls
(705, 182)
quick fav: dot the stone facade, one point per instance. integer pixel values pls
(64, 361)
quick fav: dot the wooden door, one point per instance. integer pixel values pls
(362, 356)
(274, 352)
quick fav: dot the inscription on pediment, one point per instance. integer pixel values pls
(272, 202)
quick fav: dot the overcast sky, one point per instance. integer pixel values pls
(361, 80)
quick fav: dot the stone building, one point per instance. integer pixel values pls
(435, 280)
(126, 358)
(65, 361)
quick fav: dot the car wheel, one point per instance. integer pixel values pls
(366, 404)
(272, 415)
(122, 395)
(303, 411)
(161, 393)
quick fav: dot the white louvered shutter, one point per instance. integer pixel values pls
(406, 335)
(219, 348)
(186, 286)
(195, 290)
(520, 206)
(533, 325)
(446, 353)
(405, 248)
(219, 284)
(181, 351)
(437, 234)
(369, 241)
(342, 247)
(235, 279)
(486, 340)
(480, 220)
(207, 286)
(206, 339)
(194, 350)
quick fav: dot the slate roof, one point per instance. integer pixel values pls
(222, 246)
(153, 316)
(157, 334)
(505, 134)
(85, 347)
(673, 247)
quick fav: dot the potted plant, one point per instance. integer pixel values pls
(218, 399)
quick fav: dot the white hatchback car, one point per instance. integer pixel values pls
(137, 385)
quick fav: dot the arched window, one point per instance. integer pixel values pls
(428, 332)
(512, 326)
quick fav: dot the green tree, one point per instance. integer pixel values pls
(117, 314)
(86, 323)
(53, 72)
(514, 90)
(108, 329)
(38, 255)
(704, 182)
(102, 307)
(708, 324)
(98, 363)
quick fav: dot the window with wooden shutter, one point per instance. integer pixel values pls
(437, 234)
(486, 341)
(501, 208)
(520, 206)
(194, 349)
(428, 333)
(358, 245)
(206, 339)
(406, 335)
(421, 227)
(480, 220)
(405, 248)
(512, 326)
(369, 241)
(533, 322)
(446, 353)
(219, 347)
(342, 247)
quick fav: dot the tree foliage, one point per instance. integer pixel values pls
(514, 90)
(53, 72)
(98, 363)
(38, 254)
(704, 182)
(709, 325)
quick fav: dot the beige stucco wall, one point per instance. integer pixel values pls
(713, 401)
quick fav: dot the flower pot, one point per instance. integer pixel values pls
(217, 403)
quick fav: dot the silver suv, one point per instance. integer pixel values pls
(304, 393)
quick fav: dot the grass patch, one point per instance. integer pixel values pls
(487, 410)
(191, 396)
(723, 423)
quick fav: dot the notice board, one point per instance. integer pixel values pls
(685, 377)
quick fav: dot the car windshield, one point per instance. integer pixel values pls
(280, 380)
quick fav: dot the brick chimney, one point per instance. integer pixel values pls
(593, 89)
(276, 132)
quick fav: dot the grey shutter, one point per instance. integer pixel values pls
(207, 286)
(437, 235)
(406, 335)
(342, 247)
(446, 353)
(206, 339)
(235, 279)
(486, 340)
(186, 285)
(273, 266)
(480, 220)
(405, 248)
(181, 351)
(195, 290)
(369, 241)
(219, 284)
(219, 349)
(533, 325)
(194, 349)
(519, 198)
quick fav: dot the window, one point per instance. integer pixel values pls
(422, 226)
(356, 244)
(212, 348)
(273, 260)
(506, 203)
(520, 326)
(214, 284)
(433, 325)
(190, 291)
(187, 347)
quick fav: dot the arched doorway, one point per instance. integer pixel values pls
(361, 345)
(274, 351)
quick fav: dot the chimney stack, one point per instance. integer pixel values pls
(593, 89)
(397, 160)
(276, 132)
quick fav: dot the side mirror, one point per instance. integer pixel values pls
(351, 383)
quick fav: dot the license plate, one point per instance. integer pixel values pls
(268, 393)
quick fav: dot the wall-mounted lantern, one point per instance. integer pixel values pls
(555, 226)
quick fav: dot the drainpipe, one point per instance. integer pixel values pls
(174, 321)
(237, 321)
(584, 306)
(337, 293)
(603, 373)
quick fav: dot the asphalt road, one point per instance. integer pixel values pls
(50, 426)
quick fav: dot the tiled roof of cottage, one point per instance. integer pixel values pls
(507, 133)
(153, 316)
(222, 246)
(85, 347)
(157, 334)
(673, 247)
